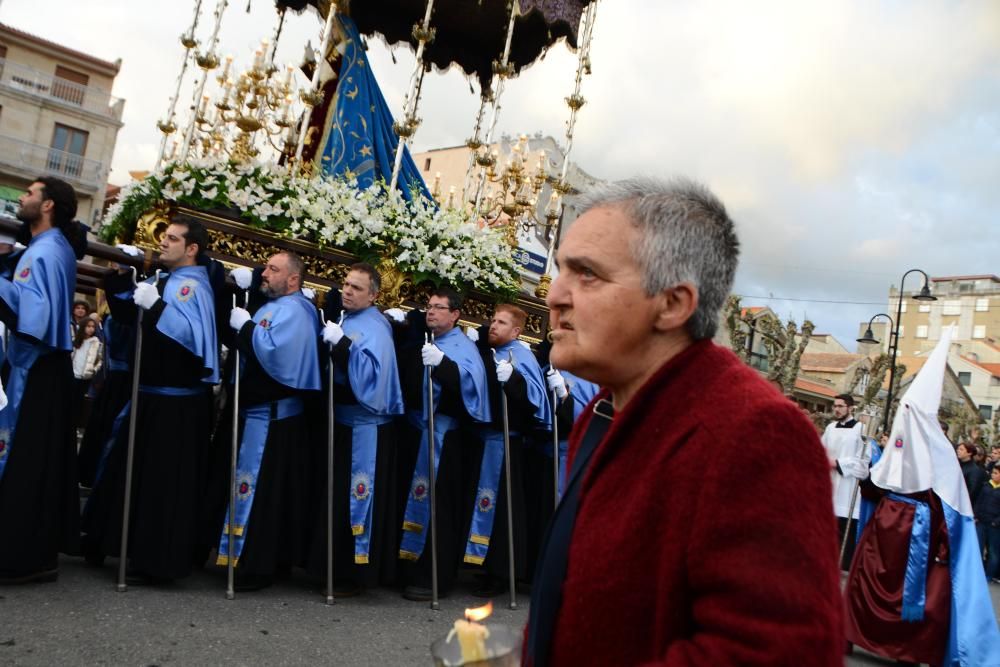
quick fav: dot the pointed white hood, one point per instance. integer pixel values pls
(918, 456)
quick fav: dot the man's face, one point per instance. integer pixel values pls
(79, 312)
(356, 291)
(840, 409)
(33, 204)
(277, 279)
(995, 475)
(963, 453)
(173, 251)
(440, 317)
(502, 329)
(995, 454)
(598, 310)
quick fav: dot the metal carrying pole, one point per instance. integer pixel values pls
(431, 441)
(233, 461)
(130, 452)
(510, 499)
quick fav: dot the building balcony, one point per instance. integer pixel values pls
(27, 161)
(23, 79)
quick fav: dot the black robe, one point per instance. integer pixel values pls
(169, 471)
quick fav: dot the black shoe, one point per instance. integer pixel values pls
(419, 594)
(490, 588)
(39, 577)
(93, 557)
(136, 578)
(345, 589)
(252, 582)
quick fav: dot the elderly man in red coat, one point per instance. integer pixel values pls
(696, 526)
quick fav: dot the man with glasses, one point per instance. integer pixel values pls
(460, 399)
(849, 455)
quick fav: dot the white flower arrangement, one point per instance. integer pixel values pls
(425, 241)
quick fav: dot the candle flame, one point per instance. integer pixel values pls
(479, 613)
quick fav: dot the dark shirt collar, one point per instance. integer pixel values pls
(848, 423)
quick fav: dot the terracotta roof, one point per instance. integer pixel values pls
(751, 309)
(979, 277)
(913, 364)
(814, 387)
(113, 66)
(994, 369)
(828, 362)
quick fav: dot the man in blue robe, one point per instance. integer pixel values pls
(460, 399)
(516, 373)
(280, 368)
(367, 399)
(178, 368)
(38, 496)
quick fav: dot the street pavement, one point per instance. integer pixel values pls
(82, 620)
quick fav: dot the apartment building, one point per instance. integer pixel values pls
(57, 117)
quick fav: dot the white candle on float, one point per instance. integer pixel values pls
(472, 635)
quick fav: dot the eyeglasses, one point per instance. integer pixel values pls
(436, 306)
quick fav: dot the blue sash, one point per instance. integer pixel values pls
(417, 508)
(915, 579)
(256, 423)
(22, 357)
(364, 448)
(486, 497)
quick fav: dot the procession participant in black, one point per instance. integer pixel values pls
(518, 375)
(178, 367)
(280, 364)
(367, 397)
(38, 496)
(459, 380)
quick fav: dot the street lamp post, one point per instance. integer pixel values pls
(924, 295)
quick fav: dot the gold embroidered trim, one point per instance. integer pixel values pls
(413, 527)
(479, 539)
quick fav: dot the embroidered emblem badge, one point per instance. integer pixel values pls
(186, 290)
(23, 275)
(419, 490)
(360, 486)
(899, 443)
(486, 500)
(244, 486)
(266, 320)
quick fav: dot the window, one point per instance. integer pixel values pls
(921, 331)
(427, 164)
(986, 412)
(979, 331)
(966, 287)
(982, 305)
(924, 307)
(994, 381)
(899, 331)
(70, 85)
(965, 378)
(68, 147)
(904, 307)
(952, 307)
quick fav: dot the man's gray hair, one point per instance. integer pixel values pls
(685, 235)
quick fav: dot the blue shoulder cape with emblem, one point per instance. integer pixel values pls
(284, 341)
(472, 375)
(40, 291)
(189, 317)
(371, 368)
(526, 364)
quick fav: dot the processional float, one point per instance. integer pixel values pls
(310, 158)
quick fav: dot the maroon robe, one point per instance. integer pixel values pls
(705, 533)
(874, 592)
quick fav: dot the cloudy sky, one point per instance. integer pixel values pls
(850, 140)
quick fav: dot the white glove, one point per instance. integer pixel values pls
(145, 295)
(130, 250)
(3, 397)
(238, 317)
(332, 333)
(473, 334)
(309, 293)
(504, 370)
(242, 276)
(556, 383)
(396, 314)
(431, 354)
(852, 466)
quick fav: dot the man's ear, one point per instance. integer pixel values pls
(191, 250)
(676, 306)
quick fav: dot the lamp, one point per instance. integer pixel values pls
(869, 336)
(924, 295)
